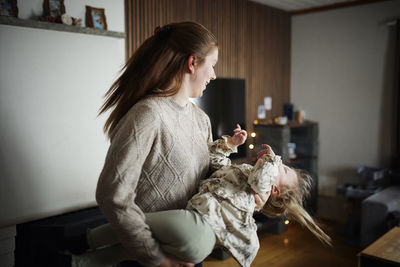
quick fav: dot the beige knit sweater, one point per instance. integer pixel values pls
(157, 156)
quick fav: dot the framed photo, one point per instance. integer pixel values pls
(54, 8)
(8, 8)
(96, 18)
(261, 112)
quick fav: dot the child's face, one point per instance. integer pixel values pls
(286, 177)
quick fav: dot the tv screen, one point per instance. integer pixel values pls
(224, 101)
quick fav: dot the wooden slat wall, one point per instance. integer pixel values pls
(254, 42)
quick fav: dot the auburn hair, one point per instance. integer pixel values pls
(157, 67)
(290, 202)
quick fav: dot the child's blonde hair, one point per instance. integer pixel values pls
(290, 202)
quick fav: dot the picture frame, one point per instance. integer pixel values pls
(96, 18)
(261, 112)
(53, 8)
(8, 8)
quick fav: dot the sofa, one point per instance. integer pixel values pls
(377, 214)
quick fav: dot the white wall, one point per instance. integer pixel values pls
(341, 74)
(52, 83)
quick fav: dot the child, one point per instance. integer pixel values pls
(221, 213)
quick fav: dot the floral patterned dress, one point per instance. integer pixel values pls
(226, 202)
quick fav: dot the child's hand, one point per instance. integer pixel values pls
(267, 150)
(238, 138)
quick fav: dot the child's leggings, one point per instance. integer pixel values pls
(181, 233)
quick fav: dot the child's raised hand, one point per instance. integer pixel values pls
(267, 150)
(239, 136)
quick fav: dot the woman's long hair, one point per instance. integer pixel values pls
(157, 67)
(290, 202)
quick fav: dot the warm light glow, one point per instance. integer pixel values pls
(286, 241)
(286, 221)
(251, 146)
(255, 122)
(253, 134)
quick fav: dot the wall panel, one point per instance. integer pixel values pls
(254, 42)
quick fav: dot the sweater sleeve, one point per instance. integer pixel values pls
(131, 142)
(262, 176)
(219, 153)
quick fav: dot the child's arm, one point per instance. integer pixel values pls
(260, 200)
(220, 149)
(260, 182)
(265, 170)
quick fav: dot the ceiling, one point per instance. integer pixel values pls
(298, 5)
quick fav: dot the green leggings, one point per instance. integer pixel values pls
(181, 233)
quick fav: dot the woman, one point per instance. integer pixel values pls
(158, 151)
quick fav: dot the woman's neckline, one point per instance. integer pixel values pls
(175, 105)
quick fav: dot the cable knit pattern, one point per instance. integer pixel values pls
(157, 156)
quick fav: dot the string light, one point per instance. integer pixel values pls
(253, 134)
(255, 122)
(251, 146)
(287, 222)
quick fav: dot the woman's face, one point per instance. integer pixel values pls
(203, 74)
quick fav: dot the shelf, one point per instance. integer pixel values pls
(290, 124)
(57, 27)
(301, 159)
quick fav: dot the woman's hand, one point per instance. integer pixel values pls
(238, 138)
(260, 200)
(172, 262)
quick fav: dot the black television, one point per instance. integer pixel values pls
(224, 101)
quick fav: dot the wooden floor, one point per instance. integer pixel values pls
(296, 248)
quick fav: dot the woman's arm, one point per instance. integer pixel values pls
(116, 189)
